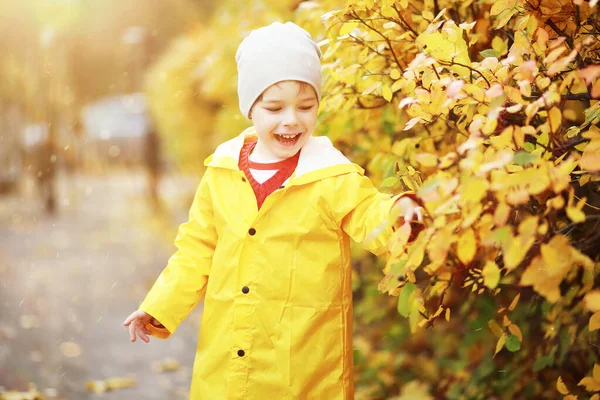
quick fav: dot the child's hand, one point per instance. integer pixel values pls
(409, 210)
(409, 217)
(137, 322)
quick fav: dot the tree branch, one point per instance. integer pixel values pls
(402, 67)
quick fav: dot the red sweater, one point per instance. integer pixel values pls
(262, 190)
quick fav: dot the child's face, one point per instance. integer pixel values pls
(285, 117)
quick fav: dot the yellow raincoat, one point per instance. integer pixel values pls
(277, 320)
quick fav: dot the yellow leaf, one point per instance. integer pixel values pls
(394, 74)
(427, 15)
(417, 250)
(591, 385)
(474, 190)
(426, 159)
(120, 383)
(489, 126)
(515, 250)
(399, 84)
(546, 272)
(500, 344)
(388, 11)
(592, 301)
(561, 387)
(499, 6)
(398, 241)
(590, 160)
(467, 247)
(495, 328)
(348, 27)
(501, 214)
(437, 249)
(491, 274)
(519, 136)
(387, 93)
(557, 202)
(447, 314)
(596, 372)
(560, 65)
(555, 119)
(554, 54)
(575, 214)
(595, 322)
(503, 140)
(500, 45)
(504, 17)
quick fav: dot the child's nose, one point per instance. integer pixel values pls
(290, 118)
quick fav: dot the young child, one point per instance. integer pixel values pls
(267, 244)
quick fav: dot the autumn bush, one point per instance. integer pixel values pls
(489, 110)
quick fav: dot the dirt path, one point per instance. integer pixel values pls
(68, 282)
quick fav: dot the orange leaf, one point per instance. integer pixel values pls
(591, 385)
(513, 304)
(514, 329)
(561, 387)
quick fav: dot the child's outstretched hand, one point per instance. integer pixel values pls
(409, 216)
(137, 322)
(409, 210)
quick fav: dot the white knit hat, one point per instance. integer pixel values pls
(275, 53)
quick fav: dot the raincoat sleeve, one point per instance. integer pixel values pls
(363, 212)
(182, 284)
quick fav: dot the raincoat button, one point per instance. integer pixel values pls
(241, 353)
(245, 289)
(252, 231)
(282, 186)
(243, 179)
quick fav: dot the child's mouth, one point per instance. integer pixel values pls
(288, 140)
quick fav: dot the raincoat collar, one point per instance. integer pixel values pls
(318, 159)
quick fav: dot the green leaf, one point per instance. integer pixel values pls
(545, 361)
(404, 299)
(529, 147)
(489, 53)
(390, 182)
(541, 363)
(512, 343)
(524, 158)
